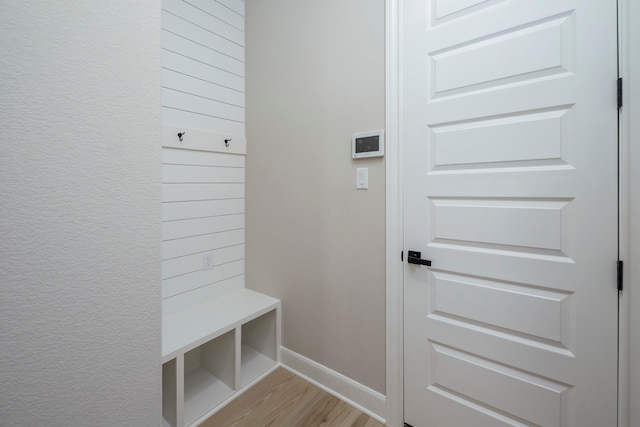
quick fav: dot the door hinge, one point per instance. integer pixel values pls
(402, 256)
(619, 92)
(620, 271)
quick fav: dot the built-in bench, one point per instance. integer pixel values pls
(214, 350)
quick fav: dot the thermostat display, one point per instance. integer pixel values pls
(367, 144)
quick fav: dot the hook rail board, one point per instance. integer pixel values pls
(196, 139)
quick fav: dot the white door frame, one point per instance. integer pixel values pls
(629, 384)
(394, 215)
(629, 350)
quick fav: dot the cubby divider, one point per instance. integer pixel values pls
(258, 350)
(169, 394)
(208, 376)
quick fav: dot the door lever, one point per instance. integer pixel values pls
(414, 257)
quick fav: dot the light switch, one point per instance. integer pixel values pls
(362, 178)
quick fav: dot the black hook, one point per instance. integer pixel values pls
(181, 134)
(226, 142)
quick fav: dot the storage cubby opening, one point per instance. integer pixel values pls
(169, 394)
(209, 372)
(258, 351)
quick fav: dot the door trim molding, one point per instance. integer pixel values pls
(629, 207)
(394, 215)
(623, 227)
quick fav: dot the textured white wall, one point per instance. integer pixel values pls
(315, 75)
(80, 213)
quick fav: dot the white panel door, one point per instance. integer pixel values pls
(509, 128)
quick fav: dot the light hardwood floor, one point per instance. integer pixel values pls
(283, 399)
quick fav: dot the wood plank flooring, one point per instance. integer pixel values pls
(283, 399)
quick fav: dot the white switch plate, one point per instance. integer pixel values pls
(362, 178)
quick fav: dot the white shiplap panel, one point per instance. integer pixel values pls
(192, 192)
(236, 5)
(201, 174)
(191, 67)
(195, 227)
(191, 263)
(182, 82)
(176, 43)
(199, 35)
(171, 156)
(219, 11)
(194, 297)
(197, 279)
(201, 209)
(204, 20)
(208, 242)
(189, 120)
(203, 183)
(197, 104)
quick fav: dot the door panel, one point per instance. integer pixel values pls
(509, 126)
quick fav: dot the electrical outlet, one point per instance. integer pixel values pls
(207, 261)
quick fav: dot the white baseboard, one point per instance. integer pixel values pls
(355, 394)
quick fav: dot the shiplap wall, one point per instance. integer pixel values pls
(203, 188)
(203, 64)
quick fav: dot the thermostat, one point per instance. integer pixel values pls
(367, 144)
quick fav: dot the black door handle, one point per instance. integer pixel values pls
(415, 258)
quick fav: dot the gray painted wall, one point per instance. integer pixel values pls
(315, 75)
(80, 213)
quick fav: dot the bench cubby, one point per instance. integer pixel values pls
(214, 350)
